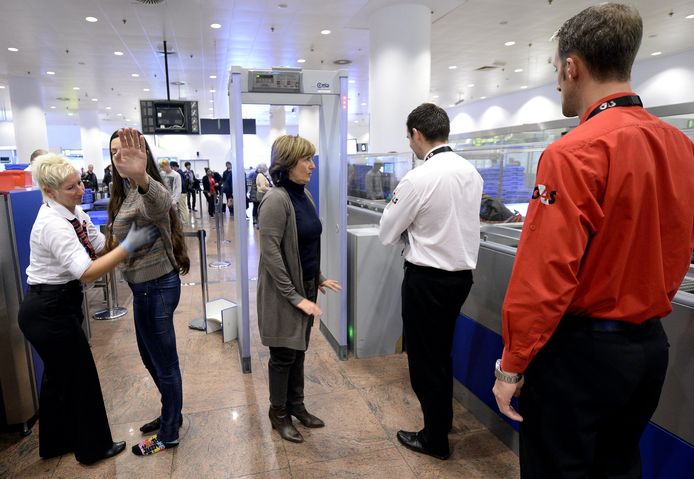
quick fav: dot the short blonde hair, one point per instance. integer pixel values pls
(164, 163)
(287, 150)
(51, 170)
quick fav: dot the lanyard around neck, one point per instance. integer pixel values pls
(627, 100)
(436, 151)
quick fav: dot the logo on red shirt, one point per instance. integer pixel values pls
(546, 196)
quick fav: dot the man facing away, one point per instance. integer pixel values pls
(605, 245)
(172, 180)
(435, 209)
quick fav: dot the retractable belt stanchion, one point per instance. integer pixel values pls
(201, 323)
(112, 311)
(220, 263)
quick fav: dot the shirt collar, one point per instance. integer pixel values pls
(592, 107)
(61, 210)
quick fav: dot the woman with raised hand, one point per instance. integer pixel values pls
(65, 248)
(139, 196)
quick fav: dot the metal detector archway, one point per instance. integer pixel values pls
(328, 91)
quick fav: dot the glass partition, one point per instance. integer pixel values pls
(371, 178)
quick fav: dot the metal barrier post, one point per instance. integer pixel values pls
(201, 323)
(112, 311)
(220, 263)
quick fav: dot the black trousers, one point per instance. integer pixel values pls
(211, 198)
(72, 416)
(192, 194)
(431, 302)
(286, 367)
(587, 398)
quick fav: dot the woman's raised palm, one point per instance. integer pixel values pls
(131, 158)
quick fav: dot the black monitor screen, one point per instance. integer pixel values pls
(170, 117)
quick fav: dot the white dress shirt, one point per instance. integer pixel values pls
(435, 209)
(57, 255)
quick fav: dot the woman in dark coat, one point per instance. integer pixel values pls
(288, 280)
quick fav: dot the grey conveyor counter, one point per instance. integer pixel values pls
(667, 444)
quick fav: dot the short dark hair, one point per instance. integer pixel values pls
(431, 121)
(173, 164)
(607, 38)
(186, 164)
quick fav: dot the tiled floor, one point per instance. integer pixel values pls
(226, 432)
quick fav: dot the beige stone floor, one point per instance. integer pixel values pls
(226, 432)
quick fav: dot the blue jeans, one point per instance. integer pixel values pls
(154, 303)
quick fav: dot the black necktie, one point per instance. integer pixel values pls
(80, 229)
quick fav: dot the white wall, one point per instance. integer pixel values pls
(659, 81)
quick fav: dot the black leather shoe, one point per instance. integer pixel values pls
(116, 448)
(306, 418)
(413, 441)
(282, 421)
(156, 424)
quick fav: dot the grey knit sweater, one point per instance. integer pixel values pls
(280, 278)
(155, 260)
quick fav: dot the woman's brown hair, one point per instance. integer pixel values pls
(118, 195)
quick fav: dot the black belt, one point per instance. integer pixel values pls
(48, 288)
(603, 325)
(429, 269)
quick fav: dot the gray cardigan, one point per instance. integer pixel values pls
(280, 284)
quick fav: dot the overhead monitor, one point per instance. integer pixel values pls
(169, 117)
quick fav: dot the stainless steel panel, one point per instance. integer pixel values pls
(374, 277)
(16, 371)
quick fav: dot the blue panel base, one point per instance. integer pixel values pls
(475, 350)
(664, 455)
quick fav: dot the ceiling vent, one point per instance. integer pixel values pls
(150, 2)
(342, 61)
(486, 68)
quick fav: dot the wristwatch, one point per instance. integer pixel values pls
(506, 377)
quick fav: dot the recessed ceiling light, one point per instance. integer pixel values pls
(363, 104)
(108, 107)
(134, 75)
(95, 99)
(210, 108)
(212, 91)
(2, 87)
(434, 96)
(70, 113)
(352, 81)
(325, 32)
(91, 19)
(118, 54)
(12, 49)
(451, 105)
(211, 101)
(510, 44)
(470, 85)
(483, 98)
(356, 121)
(301, 60)
(452, 67)
(523, 87)
(119, 114)
(212, 77)
(52, 107)
(75, 88)
(215, 26)
(655, 54)
(145, 89)
(518, 70)
(50, 73)
(689, 17)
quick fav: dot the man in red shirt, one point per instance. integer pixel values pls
(605, 245)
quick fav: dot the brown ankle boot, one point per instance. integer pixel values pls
(282, 421)
(305, 417)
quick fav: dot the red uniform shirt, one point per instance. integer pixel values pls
(609, 232)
